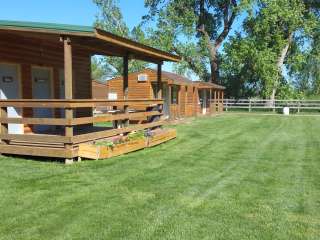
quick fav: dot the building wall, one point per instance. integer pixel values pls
(28, 52)
(187, 106)
(99, 90)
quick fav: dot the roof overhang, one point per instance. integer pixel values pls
(208, 85)
(96, 40)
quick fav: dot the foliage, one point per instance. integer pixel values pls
(273, 40)
(194, 30)
(132, 136)
(137, 135)
(228, 177)
(110, 19)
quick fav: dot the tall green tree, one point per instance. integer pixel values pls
(274, 34)
(195, 30)
(110, 19)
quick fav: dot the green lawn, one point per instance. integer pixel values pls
(229, 177)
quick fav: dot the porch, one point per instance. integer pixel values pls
(64, 134)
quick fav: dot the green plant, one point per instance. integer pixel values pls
(135, 135)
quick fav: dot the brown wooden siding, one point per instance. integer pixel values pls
(99, 90)
(188, 104)
(28, 52)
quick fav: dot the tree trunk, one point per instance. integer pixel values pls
(280, 63)
(214, 65)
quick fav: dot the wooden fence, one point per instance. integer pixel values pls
(261, 104)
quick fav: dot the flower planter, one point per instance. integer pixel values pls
(160, 137)
(100, 151)
(92, 151)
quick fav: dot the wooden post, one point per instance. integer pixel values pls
(4, 126)
(126, 87)
(68, 82)
(250, 105)
(170, 101)
(222, 100)
(159, 89)
(159, 81)
(215, 101)
(210, 99)
(218, 100)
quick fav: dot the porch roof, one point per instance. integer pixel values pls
(208, 85)
(98, 41)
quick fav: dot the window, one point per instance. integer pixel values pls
(142, 77)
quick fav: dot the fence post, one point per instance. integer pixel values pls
(274, 106)
(299, 106)
(250, 105)
(226, 105)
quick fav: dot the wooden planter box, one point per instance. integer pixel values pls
(161, 137)
(92, 151)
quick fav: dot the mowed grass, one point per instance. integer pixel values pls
(228, 177)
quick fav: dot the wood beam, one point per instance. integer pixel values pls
(159, 81)
(67, 68)
(126, 86)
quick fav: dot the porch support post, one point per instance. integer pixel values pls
(159, 89)
(126, 87)
(68, 81)
(171, 115)
(159, 81)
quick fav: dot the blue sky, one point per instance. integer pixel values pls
(81, 12)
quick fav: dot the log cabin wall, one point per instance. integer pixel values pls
(28, 52)
(99, 90)
(136, 89)
(188, 101)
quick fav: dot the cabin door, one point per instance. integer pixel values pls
(10, 89)
(42, 89)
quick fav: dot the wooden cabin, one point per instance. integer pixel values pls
(99, 90)
(182, 96)
(46, 88)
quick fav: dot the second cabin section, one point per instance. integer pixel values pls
(182, 96)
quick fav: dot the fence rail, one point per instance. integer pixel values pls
(252, 104)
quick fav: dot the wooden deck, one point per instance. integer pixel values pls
(67, 133)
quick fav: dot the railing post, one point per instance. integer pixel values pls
(250, 105)
(4, 126)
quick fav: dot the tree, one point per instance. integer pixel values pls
(276, 32)
(195, 30)
(110, 19)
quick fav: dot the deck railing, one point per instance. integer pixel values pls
(69, 120)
